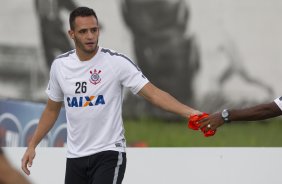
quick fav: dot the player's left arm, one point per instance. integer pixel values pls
(254, 113)
(165, 101)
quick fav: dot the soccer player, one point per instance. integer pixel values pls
(9, 175)
(254, 113)
(90, 80)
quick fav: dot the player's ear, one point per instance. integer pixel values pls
(71, 34)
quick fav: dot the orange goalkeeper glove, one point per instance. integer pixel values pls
(194, 124)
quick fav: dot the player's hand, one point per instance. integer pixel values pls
(194, 124)
(27, 160)
(196, 112)
(213, 121)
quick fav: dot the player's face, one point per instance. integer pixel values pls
(85, 35)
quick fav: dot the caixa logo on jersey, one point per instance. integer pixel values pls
(85, 101)
(10, 129)
(29, 131)
(60, 136)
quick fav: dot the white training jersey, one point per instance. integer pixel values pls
(92, 92)
(278, 101)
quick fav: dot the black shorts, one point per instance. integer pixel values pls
(107, 167)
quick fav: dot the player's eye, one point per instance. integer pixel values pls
(83, 31)
(94, 30)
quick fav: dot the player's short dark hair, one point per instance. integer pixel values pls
(81, 12)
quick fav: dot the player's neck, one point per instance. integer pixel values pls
(86, 56)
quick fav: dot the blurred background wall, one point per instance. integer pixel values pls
(170, 165)
(208, 54)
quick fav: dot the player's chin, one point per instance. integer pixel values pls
(90, 49)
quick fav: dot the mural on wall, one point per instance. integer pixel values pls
(166, 55)
(234, 67)
(55, 41)
(207, 54)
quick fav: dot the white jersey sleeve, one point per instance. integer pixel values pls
(54, 90)
(130, 75)
(278, 101)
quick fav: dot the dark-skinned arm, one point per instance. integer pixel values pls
(255, 113)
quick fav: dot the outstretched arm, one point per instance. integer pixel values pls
(255, 113)
(165, 101)
(46, 122)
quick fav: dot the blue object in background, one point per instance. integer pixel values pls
(19, 119)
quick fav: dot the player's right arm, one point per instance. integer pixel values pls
(46, 122)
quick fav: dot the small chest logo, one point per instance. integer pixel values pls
(95, 77)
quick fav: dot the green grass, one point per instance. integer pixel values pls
(157, 133)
